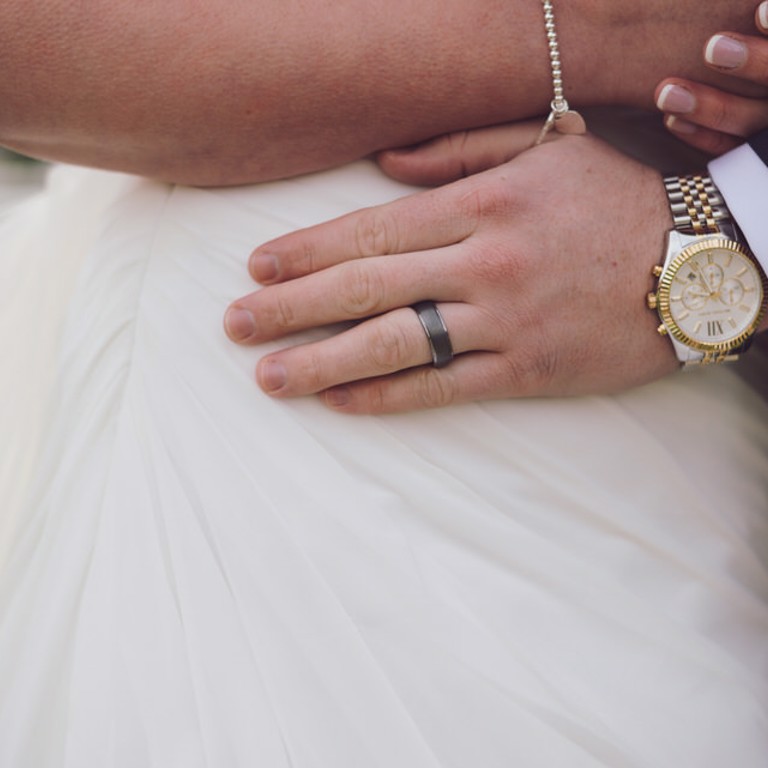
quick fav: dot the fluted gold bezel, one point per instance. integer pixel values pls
(665, 287)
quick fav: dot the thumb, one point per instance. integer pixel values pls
(456, 155)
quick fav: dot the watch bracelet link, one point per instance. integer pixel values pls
(696, 205)
(710, 358)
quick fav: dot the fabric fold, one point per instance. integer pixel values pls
(204, 576)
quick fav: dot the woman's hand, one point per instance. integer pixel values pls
(710, 119)
(540, 269)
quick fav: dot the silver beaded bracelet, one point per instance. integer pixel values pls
(561, 117)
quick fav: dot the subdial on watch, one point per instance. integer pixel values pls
(694, 297)
(713, 277)
(732, 292)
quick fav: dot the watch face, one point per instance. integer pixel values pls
(711, 295)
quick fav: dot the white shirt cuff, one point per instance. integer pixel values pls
(742, 178)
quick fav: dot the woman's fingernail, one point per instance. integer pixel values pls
(762, 15)
(272, 375)
(675, 98)
(239, 324)
(678, 125)
(725, 52)
(263, 267)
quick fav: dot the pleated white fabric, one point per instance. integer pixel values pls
(202, 576)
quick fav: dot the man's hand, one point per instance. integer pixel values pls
(540, 269)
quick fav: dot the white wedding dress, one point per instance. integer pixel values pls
(196, 575)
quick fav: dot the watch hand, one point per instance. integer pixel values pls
(703, 280)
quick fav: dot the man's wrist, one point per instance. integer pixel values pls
(711, 292)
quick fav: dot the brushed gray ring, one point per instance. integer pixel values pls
(437, 333)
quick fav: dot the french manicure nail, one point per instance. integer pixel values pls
(263, 267)
(678, 125)
(762, 15)
(675, 98)
(725, 52)
(272, 375)
(239, 323)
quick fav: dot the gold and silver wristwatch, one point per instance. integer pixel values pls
(711, 291)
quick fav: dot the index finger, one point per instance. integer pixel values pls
(418, 222)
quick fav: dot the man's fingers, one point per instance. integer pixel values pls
(471, 377)
(411, 224)
(349, 291)
(457, 155)
(696, 104)
(376, 347)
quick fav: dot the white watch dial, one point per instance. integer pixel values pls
(711, 295)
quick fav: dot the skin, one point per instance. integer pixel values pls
(525, 303)
(220, 92)
(209, 93)
(717, 120)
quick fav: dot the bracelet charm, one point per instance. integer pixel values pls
(561, 117)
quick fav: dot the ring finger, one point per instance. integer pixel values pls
(375, 347)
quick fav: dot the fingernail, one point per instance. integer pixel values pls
(725, 52)
(338, 397)
(762, 15)
(675, 98)
(263, 267)
(272, 375)
(239, 324)
(678, 125)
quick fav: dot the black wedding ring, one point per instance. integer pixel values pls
(437, 333)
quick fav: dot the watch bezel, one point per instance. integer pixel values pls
(665, 287)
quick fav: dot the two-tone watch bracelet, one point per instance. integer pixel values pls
(697, 206)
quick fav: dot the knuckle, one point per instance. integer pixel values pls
(369, 397)
(280, 312)
(307, 261)
(545, 367)
(498, 263)
(456, 142)
(310, 375)
(758, 63)
(719, 114)
(531, 372)
(435, 388)
(375, 398)
(490, 198)
(361, 291)
(459, 148)
(388, 349)
(375, 233)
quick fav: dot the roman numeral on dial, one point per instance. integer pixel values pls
(714, 328)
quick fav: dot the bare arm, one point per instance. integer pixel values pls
(231, 91)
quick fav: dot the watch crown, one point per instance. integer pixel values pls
(652, 301)
(658, 270)
(662, 330)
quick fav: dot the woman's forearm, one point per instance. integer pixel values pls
(229, 91)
